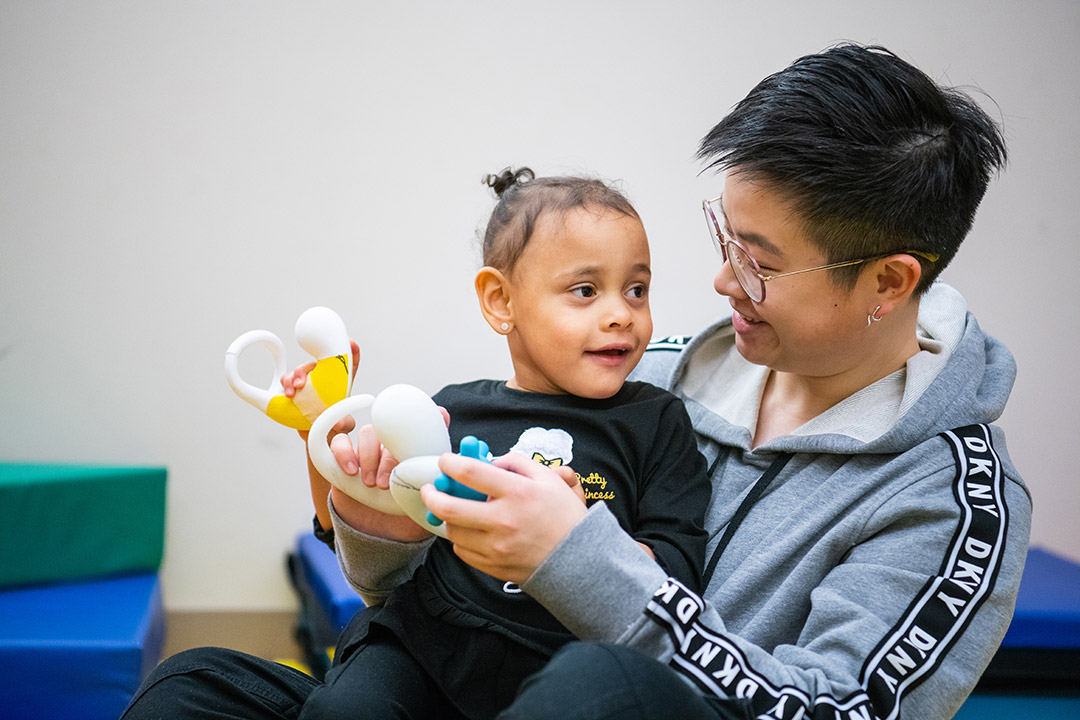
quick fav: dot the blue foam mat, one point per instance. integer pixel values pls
(1014, 706)
(1048, 604)
(335, 601)
(78, 650)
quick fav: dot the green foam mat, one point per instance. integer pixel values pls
(67, 522)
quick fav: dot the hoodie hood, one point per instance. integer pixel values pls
(960, 376)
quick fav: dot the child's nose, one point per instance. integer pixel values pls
(618, 314)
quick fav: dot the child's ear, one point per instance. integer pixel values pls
(493, 292)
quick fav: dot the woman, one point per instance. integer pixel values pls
(854, 570)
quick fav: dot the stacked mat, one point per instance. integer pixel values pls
(1041, 650)
(1036, 672)
(81, 618)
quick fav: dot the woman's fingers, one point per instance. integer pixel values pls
(529, 510)
(572, 481)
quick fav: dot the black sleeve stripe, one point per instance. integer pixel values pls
(673, 342)
(943, 610)
(719, 667)
(915, 646)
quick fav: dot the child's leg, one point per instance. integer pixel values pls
(378, 680)
(220, 683)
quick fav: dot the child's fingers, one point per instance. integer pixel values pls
(387, 463)
(342, 450)
(355, 356)
(292, 382)
(345, 425)
(369, 457)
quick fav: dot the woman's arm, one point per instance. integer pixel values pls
(864, 647)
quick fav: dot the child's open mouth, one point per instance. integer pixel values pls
(609, 352)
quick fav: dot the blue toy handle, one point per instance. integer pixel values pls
(470, 447)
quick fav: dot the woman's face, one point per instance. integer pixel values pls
(806, 325)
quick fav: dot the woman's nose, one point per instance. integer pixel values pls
(725, 283)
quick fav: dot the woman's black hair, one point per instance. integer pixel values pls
(873, 156)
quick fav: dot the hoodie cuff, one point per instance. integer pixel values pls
(373, 565)
(598, 580)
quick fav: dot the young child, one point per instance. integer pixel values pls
(566, 280)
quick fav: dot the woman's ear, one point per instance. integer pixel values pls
(897, 277)
(493, 292)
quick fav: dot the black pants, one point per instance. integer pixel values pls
(383, 680)
(582, 682)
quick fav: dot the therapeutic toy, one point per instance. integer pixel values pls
(470, 447)
(321, 332)
(406, 421)
(408, 424)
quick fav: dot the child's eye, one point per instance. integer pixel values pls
(585, 291)
(638, 291)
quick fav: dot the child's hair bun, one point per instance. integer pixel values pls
(508, 178)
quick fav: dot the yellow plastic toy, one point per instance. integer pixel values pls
(321, 332)
(406, 421)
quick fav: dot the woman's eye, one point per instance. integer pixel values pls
(585, 291)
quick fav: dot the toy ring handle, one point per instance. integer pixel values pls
(326, 464)
(256, 396)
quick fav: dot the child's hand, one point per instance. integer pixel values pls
(374, 463)
(293, 382)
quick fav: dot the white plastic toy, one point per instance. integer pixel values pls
(408, 424)
(321, 332)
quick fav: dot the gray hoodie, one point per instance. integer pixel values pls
(873, 578)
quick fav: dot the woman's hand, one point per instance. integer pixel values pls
(529, 510)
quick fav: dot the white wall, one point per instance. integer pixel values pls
(175, 173)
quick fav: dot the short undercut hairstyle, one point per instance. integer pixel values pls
(873, 156)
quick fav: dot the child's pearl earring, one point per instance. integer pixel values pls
(505, 327)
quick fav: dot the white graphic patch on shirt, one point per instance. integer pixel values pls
(552, 447)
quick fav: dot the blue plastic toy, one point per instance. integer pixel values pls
(470, 447)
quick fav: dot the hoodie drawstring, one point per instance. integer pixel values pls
(744, 508)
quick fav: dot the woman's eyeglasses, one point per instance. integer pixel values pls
(745, 267)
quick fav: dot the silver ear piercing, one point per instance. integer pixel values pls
(873, 317)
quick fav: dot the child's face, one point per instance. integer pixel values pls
(579, 298)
